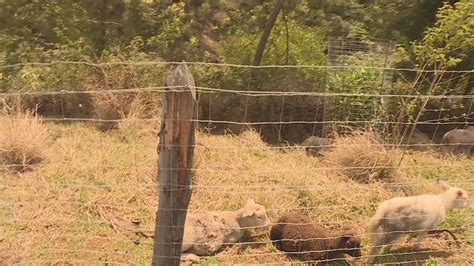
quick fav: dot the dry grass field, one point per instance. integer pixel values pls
(92, 198)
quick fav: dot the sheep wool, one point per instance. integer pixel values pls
(205, 233)
(414, 216)
(300, 238)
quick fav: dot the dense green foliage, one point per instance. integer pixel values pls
(99, 33)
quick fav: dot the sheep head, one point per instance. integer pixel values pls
(349, 243)
(454, 197)
(252, 214)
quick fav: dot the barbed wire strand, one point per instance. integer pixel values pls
(154, 63)
(240, 169)
(254, 93)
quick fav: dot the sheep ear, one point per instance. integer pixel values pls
(247, 213)
(250, 202)
(347, 235)
(347, 229)
(344, 239)
(444, 185)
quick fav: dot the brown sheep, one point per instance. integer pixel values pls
(300, 238)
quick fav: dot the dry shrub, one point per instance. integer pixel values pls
(128, 111)
(112, 105)
(143, 117)
(363, 158)
(251, 138)
(24, 140)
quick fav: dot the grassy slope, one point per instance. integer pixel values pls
(85, 204)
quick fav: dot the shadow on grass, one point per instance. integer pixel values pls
(407, 256)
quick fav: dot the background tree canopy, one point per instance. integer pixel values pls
(196, 30)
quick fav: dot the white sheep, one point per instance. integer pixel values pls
(205, 233)
(414, 216)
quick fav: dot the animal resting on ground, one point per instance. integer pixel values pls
(316, 146)
(206, 233)
(300, 238)
(415, 216)
(458, 141)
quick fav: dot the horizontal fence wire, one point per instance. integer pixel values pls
(6, 166)
(138, 230)
(204, 211)
(255, 123)
(245, 148)
(155, 63)
(260, 93)
(242, 255)
(148, 229)
(295, 147)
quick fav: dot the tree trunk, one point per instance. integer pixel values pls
(266, 32)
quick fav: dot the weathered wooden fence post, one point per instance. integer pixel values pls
(175, 150)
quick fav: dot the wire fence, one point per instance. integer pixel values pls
(94, 191)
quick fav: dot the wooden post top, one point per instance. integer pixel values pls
(181, 79)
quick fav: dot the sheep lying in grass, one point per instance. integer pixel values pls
(316, 146)
(458, 141)
(300, 238)
(205, 233)
(413, 215)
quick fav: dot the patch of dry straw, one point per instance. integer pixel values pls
(362, 157)
(24, 140)
(137, 118)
